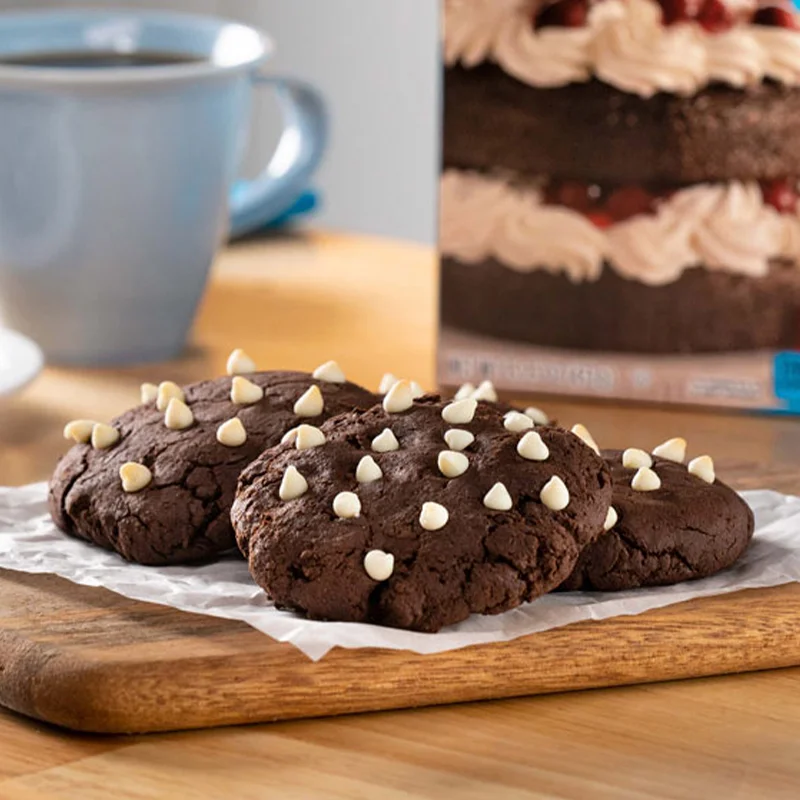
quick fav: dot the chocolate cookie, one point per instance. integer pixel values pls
(486, 393)
(416, 514)
(671, 523)
(158, 483)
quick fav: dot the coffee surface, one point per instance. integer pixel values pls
(99, 59)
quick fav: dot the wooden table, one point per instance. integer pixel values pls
(371, 305)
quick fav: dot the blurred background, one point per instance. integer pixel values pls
(375, 61)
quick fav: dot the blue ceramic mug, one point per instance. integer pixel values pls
(120, 137)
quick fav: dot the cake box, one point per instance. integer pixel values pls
(619, 211)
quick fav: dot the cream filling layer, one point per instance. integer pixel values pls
(624, 44)
(719, 226)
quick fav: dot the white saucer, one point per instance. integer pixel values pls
(20, 361)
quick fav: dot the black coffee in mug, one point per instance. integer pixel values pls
(99, 59)
(120, 133)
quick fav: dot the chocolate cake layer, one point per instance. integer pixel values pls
(595, 132)
(704, 311)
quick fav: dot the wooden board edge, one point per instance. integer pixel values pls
(83, 718)
(32, 675)
(210, 691)
(98, 712)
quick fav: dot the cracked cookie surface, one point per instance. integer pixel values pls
(383, 566)
(183, 515)
(684, 530)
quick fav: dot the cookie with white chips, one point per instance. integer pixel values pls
(417, 513)
(670, 521)
(516, 419)
(157, 483)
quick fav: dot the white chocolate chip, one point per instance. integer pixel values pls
(329, 372)
(167, 390)
(645, 480)
(433, 517)
(368, 470)
(387, 381)
(346, 505)
(104, 436)
(307, 436)
(134, 476)
(485, 392)
(633, 458)
(178, 416)
(452, 464)
(379, 565)
(516, 422)
(385, 442)
(457, 439)
(465, 392)
(460, 412)
(289, 436)
(149, 393)
(293, 485)
(245, 392)
(239, 363)
(416, 390)
(611, 518)
(310, 403)
(79, 430)
(232, 433)
(583, 434)
(399, 398)
(672, 450)
(703, 467)
(537, 415)
(498, 498)
(555, 494)
(532, 447)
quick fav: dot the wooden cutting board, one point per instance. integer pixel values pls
(91, 660)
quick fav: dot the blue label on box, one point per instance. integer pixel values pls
(787, 378)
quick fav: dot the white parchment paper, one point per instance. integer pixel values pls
(29, 542)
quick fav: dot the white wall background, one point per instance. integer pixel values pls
(377, 63)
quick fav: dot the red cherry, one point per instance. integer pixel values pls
(673, 11)
(571, 194)
(782, 195)
(563, 14)
(715, 17)
(775, 17)
(628, 202)
(600, 220)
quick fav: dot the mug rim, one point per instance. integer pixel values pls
(46, 76)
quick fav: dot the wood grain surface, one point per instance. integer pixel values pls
(89, 660)
(297, 303)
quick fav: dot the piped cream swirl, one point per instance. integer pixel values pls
(547, 58)
(472, 27)
(720, 226)
(489, 218)
(632, 50)
(736, 58)
(654, 250)
(554, 237)
(624, 43)
(782, 53)
(741, 232)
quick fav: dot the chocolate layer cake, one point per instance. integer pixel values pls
(622, 175)
(726, 311)
(592, 130)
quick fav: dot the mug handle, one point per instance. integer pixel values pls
(300, 149)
